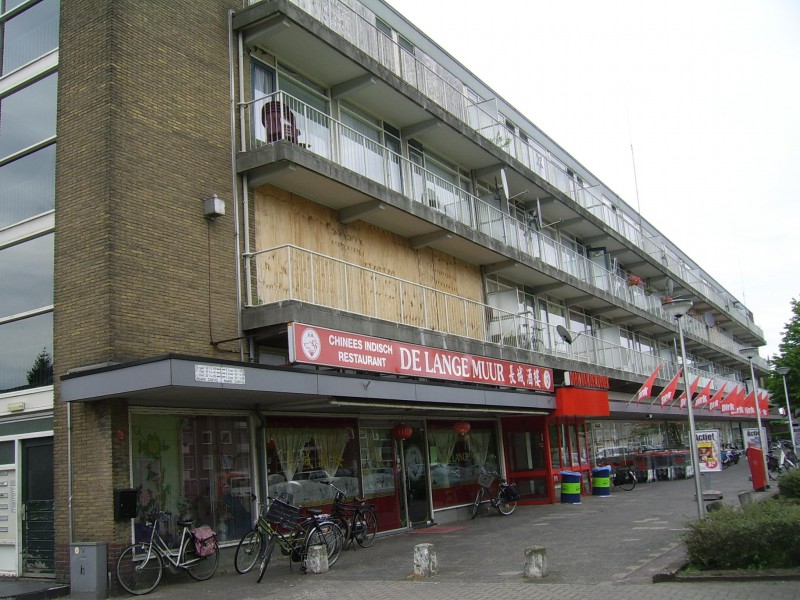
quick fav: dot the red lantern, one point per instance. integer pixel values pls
(461, 427)
(402, 431)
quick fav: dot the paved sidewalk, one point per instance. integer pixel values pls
(605, 547)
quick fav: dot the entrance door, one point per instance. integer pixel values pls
(415, 468)
(38, 530)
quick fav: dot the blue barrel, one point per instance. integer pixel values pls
(601, 481)
(570, 487)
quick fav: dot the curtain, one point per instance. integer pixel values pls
(330, 447)
(445, 441)
(479, 446)
(289, 444)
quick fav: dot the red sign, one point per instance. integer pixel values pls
(320, 346)
(589, 380)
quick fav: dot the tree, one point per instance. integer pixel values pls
(789, 356)
(41, 373)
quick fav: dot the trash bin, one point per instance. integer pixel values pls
(570, 487)
(601, 481)
(87, 573)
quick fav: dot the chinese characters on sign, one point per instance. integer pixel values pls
(320, 346)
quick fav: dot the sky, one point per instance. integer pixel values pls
(688, 110)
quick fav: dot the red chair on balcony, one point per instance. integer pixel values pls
(279, 122)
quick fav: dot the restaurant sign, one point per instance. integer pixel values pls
(320, 346)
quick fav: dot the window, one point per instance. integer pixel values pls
(29, 116)
(26, 353)
(206, 482)
(26, 271)
(28, 186)
(29, 34)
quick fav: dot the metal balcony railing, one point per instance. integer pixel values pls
(289, 272)
(280, 116)
(450, 93)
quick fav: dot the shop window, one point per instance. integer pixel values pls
(456, 460)
(377, 461)
(195, 467)
(301, 459)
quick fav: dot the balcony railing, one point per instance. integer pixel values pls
(279, 116)
(450, 93)
(288, 272)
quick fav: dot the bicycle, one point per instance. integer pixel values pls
(282, 524)
(624, 478)
(141, 565)
(355, 517)
(505, 501)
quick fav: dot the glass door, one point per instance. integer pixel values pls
(415, 471)
(38, 527)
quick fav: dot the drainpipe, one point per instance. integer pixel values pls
(69, 472)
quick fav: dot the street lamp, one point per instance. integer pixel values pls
(750, 353)
(678, 308)
(782, 371)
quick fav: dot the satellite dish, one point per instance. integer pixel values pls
(504, 182)
(709, 318)
(564, 333)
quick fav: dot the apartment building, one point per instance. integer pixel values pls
(250, 243)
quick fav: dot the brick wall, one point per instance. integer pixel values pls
(143, 137)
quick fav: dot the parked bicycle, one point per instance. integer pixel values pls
(141, 565)
(624, 478)
(505, 500)
(781, 460)
(294, 530)
(356, 517)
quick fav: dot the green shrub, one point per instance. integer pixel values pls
(765, 534)
(789, 484)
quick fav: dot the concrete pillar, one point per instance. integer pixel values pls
(745, 498)
(425, 563)
(535, 561)
(317, 559)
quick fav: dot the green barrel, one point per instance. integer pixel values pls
(570, 487)
(601, 481)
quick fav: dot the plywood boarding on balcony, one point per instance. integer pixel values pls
(421, 288)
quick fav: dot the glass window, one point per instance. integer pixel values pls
(456, 460)
(29, 116)
(26, 271)
(30, 34)
(7, 453)
(29, 186)
(195, 467)
(26, 353)
(299, 458)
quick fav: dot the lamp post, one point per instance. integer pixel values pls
(678, 308)
(782, 371)
(750, 353)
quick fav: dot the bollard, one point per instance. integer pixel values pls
(535, 561)
(425, 563)
(745, 498)
(317, 559)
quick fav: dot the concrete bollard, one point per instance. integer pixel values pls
(317, 559)
(745, 498)
(535, 561)
(425, 563)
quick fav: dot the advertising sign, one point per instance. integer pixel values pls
(320, 346)
(751, 438)
(709, 450)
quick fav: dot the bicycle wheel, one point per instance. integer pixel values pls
(627, 481)
(139, 568)
(328, 534)
(476, 506)
(269, 546)
(366, 526)
(249, 551)
(199, 567)
(347, 531)
(503, 506)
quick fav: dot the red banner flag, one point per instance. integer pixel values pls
(716, 400)
(702, 398)
(646, 390)
(668, 393)
(729, 404)
(692, 388)
(746, 404)
(763, 404)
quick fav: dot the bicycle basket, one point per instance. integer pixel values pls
(485, 479)
(281, 513)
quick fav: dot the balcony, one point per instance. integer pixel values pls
(433, 82)
(279, 117)
(289, 273)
